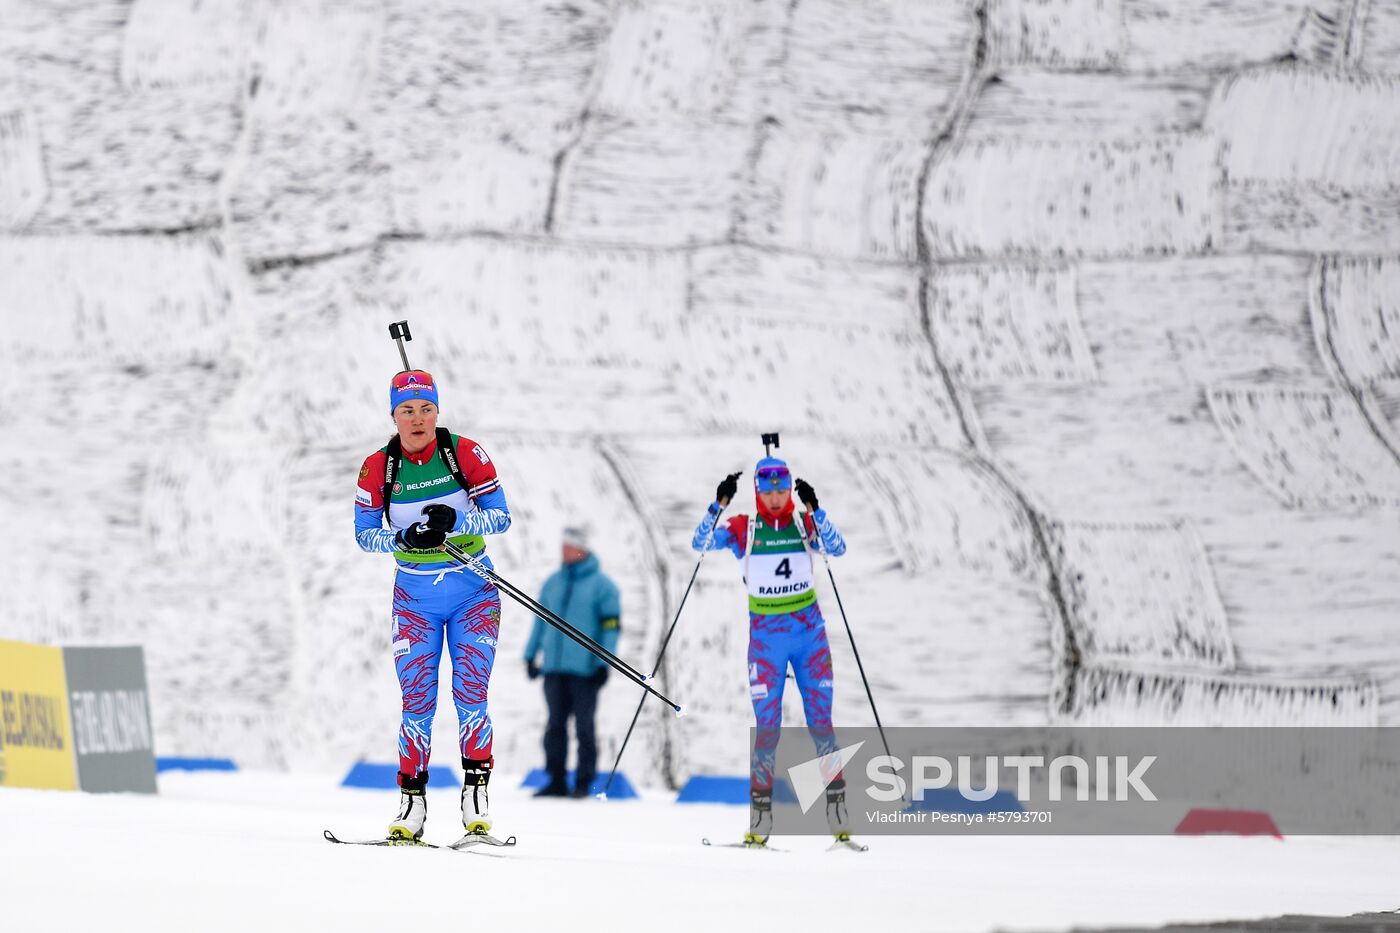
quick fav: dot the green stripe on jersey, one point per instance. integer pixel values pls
(778, 540)
(778, 605)
(472, 544)
(420, 482)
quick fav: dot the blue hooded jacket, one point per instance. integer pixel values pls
(588, 601)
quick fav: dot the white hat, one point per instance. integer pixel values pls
(576, 536)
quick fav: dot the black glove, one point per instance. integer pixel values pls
(600, 676)
(440, 517)
(726, 490)
(532, 669)
(419, 537)
(807, 494)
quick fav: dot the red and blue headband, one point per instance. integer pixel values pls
(411, 386)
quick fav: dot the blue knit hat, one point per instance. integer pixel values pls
(411, 385)
(771, 474)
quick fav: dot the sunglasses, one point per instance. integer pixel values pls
(773, 477)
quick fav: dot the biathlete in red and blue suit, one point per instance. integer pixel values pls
(786, 627)
(434, 486)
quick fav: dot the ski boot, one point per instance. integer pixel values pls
(476, 805)
(760, 818)
(836, 816)
(413, 808)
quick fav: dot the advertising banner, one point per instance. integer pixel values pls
(75, 718)
(111, 719)
(36, 744)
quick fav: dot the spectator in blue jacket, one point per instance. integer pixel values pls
(586, 599)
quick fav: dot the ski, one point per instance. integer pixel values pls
(740, 845)
(847, 843)
(412, 843)
(480, 839)
(838, 845)
(464, 844)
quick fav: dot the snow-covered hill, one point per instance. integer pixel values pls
(1081, 315)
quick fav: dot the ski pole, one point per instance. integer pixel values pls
(529, 602)
(657, 667)
(854, 650)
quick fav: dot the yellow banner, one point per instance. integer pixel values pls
(36, 744)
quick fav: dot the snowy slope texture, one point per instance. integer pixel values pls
(1079, 314)
(1310, 159)
(1008, 323)
(24, 186)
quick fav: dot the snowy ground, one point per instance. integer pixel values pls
(243, 851)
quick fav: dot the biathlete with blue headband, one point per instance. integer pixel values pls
(786, 627)
(434, 486)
